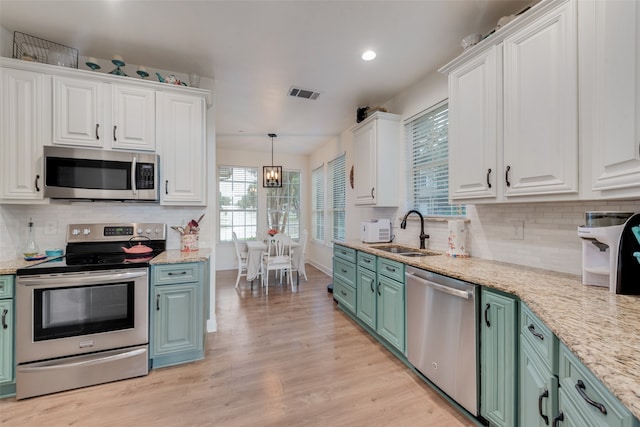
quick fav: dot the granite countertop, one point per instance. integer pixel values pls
(171, 256)
(600, 328)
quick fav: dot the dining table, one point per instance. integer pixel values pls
(255, 249)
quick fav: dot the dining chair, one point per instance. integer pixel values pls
(241, 257)
(277, 258)
(298, 257)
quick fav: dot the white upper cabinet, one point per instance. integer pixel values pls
(22, 131)
(474, 92)
(513, 121)
(541, 106)
(91, 113)
(376, 169)
(133, 118)
(78, 112)
(610, 97)
(182, 148)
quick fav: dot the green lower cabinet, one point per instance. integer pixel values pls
(366, 296)
(390, 316)
(538, 389)
(498, 358)
(177, 314)
(584, 400)
(7, 337)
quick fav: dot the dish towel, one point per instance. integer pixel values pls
(457, 239)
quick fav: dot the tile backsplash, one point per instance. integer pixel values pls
(15, 218)
(549, 237)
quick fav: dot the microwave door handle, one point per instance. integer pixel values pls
(133, 175)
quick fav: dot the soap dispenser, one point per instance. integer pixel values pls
(31, 247)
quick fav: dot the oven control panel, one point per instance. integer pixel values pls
(115, 232)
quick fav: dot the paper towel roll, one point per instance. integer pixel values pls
(457, 238)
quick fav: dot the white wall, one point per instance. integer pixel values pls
(225, 253)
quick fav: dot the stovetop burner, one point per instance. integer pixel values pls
(100, 247)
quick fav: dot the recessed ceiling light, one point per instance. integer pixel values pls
(368, 55)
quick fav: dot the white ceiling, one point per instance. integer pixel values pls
(257, 50)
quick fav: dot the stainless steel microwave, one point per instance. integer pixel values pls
(79, 173)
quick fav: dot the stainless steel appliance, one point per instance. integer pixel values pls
(82, 319)
(441, 333)
(80, 173)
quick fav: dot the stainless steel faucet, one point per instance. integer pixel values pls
(423, 236)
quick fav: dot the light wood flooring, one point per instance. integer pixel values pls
(289, 359)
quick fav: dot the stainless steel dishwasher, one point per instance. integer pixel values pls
(441, 333)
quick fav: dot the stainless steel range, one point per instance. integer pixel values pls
(82, 319)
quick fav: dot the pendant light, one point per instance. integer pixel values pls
(272, 175)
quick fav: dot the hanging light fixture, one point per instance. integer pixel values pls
(272, 175)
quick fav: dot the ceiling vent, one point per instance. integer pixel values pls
(303, 93)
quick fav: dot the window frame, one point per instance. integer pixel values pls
(294, 232)
(318, 216)
(337, 187)
(222, 212)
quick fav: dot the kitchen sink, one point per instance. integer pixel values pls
(406, 251)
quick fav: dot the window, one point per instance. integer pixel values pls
(283, 205)
(238, 201)
(427, 146)
(337, 197)
(317, 203)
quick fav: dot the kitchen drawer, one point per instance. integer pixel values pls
(572, 373)
(344, 271)
(391, 269)
(176, 273)
(6, 286)
(367, 261)
(345, 295)
(346, 254)
(543, 341)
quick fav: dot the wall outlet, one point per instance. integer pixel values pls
(515, 229)
(50, 227)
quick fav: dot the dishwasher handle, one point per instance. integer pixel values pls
(438, 287)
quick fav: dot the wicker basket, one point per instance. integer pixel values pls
(35, 49)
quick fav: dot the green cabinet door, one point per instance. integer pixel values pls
(176, 329)
(391, 311)
(498, 358)
(6, 341)
(538, 389)
(366, 296)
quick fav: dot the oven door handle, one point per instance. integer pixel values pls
(61, 363)
(81, 279)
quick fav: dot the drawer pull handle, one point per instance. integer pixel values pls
(393, 270)
(538, 335)
(581, 390)
(544, 394)
(560, 417)
(182, 273)
(506, 176)
(4, 318)
(158, 302)
(486, 315)
(368, 261)
(488, 175)
(343, 293)
(343, 270)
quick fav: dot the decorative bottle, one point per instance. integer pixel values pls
(31, 247)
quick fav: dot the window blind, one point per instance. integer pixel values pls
(317, 203)
(238, 202)
(427, 144)
(337, 198)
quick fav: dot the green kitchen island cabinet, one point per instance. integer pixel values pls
(498, 358)
(7, 353)
(177, 303)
